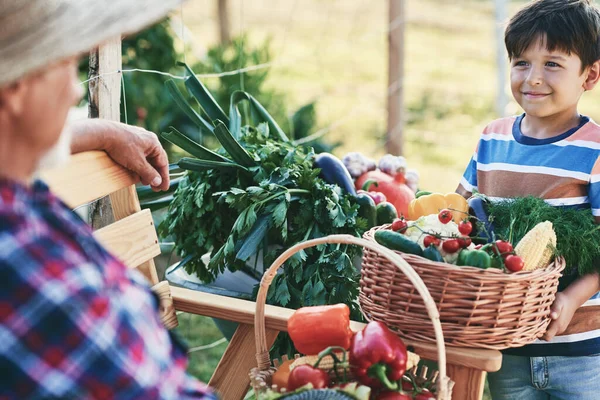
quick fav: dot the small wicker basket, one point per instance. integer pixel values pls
(478, 308)
(261, 376)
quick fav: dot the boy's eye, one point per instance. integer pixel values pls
(520, 63)
(552, 64)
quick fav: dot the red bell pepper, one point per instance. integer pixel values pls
(315, 328)
(378, 357)
(394, 396)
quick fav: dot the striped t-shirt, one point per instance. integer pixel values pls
(563, 170)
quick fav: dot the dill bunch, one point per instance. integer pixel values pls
(577, 234)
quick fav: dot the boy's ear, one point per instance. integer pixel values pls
(593, 76)
(12, 97)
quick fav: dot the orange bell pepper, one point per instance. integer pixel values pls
(313, 329)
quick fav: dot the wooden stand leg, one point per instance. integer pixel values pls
(469, 382)
(231, 379)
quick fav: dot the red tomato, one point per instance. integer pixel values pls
(514, 263)
(464, 242)
(465, 227)
(451, 245)
(399, 225)
(393, 396)
(303, 374)
(425, 395)
(445, 216)
(429, 240)
(504, 247)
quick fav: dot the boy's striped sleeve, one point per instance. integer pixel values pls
(594, 190)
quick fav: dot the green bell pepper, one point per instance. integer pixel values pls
(474, 258)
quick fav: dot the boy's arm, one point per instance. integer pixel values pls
(568, 301)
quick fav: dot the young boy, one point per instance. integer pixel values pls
(552, 152)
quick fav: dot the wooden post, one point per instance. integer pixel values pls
(224, 33)
(104, 101)
(500, 57)
(395, 95)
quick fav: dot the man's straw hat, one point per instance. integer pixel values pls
(35, 33)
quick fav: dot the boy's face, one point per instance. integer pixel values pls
(547, 83)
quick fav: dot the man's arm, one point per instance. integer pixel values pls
(130, 146)
(568, 301)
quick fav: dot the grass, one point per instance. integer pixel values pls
(335, 51)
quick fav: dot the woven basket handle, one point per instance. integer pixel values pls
(262, 352)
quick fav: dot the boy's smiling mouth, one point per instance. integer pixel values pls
(535, 95)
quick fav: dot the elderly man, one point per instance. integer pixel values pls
(74, 322)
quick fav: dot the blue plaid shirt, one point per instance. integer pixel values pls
(75, 322)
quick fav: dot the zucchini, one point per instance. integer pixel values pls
(397, 241)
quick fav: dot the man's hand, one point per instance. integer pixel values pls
(561, 313)
(130, 146)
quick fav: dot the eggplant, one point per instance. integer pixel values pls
(483, 227)
(334, 171)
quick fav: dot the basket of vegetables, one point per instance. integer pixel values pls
(489, 295)
(373, 363)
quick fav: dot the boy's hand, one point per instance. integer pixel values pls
(561, 313)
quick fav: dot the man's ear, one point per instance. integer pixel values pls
(12, 98)
(593, 75)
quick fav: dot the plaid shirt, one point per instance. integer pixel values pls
(75, 322)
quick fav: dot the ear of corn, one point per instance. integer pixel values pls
(327, 362)
(537, 246)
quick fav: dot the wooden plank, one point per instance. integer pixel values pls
(87, 177)
(468, 382)
(231, 379)
(585, 319)
(132, 240)
(243, 311)
(395, 94)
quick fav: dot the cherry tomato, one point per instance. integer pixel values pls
(465, 227)
(445, 216)
(429, 240)
(393, 396)
(303, 374)
(464, 241)
(399, 225)
(504, 247)
(451, 245)
(514, 263)
(424, 395)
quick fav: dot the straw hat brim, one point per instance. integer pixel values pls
(36, 33)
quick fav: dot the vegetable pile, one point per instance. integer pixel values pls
(373, 363)
(455, 236)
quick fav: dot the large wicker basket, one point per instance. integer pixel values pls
(261, 376)
(478, 308)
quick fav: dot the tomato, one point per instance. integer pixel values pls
(514, 263)
(445, 216)
(451, 245)
(464, 242)
(304, 374)
(393, 396)
(504, 247)
(429, 240)
(425, 395)
(399, 225)
(465, 227)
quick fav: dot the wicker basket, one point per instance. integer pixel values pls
(478, 308)
(260, 376)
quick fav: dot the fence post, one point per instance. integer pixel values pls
(395, 94)
(104, 102)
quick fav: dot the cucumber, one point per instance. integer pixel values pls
(433, 254)
(397, 241)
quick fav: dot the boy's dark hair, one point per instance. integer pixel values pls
(572, 26)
